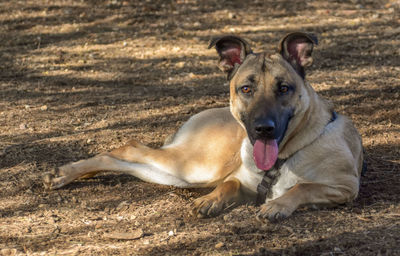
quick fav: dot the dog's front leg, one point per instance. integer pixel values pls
(223, 196)
(304, 194)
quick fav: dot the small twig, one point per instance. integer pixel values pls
(363, 219)
(390, 215)
(229, 206)
(39, 41)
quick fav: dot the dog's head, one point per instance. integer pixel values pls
(266, 91)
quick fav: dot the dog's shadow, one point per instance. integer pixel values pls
(380, 182)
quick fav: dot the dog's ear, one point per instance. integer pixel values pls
(297, 49)
(232, 51)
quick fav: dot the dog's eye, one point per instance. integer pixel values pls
(283, 89)
(245, 89)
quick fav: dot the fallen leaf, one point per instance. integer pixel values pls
(125, 236)
(219, 245)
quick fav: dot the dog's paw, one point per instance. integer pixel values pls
(207, 206)
(55, 179)
(274, 211)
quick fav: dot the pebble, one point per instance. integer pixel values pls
(87, 222)
(123, 206)
(231, 15)
(8, 252)
(180, 64)
(337, 250)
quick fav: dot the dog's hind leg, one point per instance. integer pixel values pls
(152, 165)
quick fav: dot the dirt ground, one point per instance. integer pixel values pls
(81, 77)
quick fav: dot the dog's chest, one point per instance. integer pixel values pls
(276, 182)
(284, 180)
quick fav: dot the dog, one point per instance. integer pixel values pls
(278, 142)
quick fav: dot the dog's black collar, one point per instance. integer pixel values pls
(270, 178)
(334, 117)
(264, 189)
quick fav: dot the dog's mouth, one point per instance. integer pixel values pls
(266, 150)
(265, 153)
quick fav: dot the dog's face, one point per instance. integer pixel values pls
(266, 91)
(263, 96)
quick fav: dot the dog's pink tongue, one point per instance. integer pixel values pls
(265, 154)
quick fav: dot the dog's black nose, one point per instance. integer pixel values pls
(264, 127)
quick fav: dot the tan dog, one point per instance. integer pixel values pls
(276, 127)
